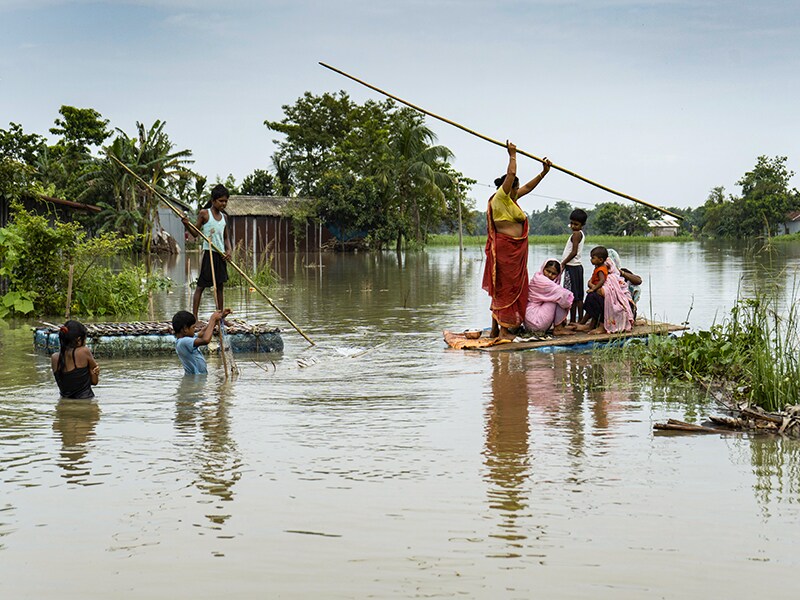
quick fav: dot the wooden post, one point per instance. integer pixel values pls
(69, 290)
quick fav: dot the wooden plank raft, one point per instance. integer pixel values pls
(578, 341)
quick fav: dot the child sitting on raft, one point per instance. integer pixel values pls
(608, 307)
(74, 366)
(187, 344)
(548, 302)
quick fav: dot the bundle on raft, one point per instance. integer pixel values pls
(579, 341)
(146, 338)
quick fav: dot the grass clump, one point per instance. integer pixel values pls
(754, 351)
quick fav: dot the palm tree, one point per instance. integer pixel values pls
(150, 155)
(418, 173)
(283, 173)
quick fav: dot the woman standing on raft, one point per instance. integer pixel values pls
(505, 277)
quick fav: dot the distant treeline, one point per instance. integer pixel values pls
(762, 209)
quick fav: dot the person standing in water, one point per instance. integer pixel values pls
(74, 366)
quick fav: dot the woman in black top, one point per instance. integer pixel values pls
(74, 367)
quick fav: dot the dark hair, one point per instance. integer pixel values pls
(553, 264)
(578, 215)
(219, 191)
(181, 320)
(599, 251)
(499, 181)
(70, 335)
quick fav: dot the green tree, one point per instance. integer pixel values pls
(258, 183)
(283, 175)
(419, 175)
(70, 161)
(766, 197)
(612, 218)
(312, 126)
(551, 221)
(17, 145)
(128, 203)
(80, 128)
(331, 139)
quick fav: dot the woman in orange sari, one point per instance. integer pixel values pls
(505, 277)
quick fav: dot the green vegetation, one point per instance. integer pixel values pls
(755, 352)
(262, 273)
(450, 239)
(373, 170)
(35, 256)
(759, 212)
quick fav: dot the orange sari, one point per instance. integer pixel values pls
(505, 276)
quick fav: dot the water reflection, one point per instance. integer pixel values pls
(776, 465)
(559, 406)
(202, 410)
(75, 422)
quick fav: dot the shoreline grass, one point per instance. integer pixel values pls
(451, 239)
(754, 351)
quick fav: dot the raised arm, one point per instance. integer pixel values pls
(511, 171)
(535, 181)
(204, 336)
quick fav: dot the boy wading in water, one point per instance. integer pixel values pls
(187, 344)
(212, 222)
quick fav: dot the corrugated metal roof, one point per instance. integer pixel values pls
(259, 206)
(665, 222)
(793, 216)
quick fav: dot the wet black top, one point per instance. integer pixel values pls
(75, 384)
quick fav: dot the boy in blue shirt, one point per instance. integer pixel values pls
(187, 345)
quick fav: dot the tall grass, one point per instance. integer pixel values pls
(263, 274)
(755, 350)
(451, 239)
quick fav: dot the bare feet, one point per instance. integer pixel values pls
(583, 327)
(563, 331)
(505, 334)
(597, 330)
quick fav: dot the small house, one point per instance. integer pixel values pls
(169, 234)
(666, 227)
(792, 222)
(259, 223)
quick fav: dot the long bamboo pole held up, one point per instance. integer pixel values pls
(199, 233)
(499, 143)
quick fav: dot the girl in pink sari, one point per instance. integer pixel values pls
(617, 309)
(548, 302)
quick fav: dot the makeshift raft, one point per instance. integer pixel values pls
(580, 341)
(147, 338)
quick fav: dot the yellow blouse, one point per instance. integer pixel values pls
(505, 209)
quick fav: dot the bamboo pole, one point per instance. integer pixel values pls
(199, 233)
(499, 143)
(219, 307)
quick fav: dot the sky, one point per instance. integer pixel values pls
(660, 99)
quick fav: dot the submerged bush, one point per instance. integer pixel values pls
(35, 256)
(756, 349)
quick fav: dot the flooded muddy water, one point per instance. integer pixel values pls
(389, 466)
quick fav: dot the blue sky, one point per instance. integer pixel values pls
(662, 100)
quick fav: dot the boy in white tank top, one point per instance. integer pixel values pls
(571, 264)
(212, 222)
